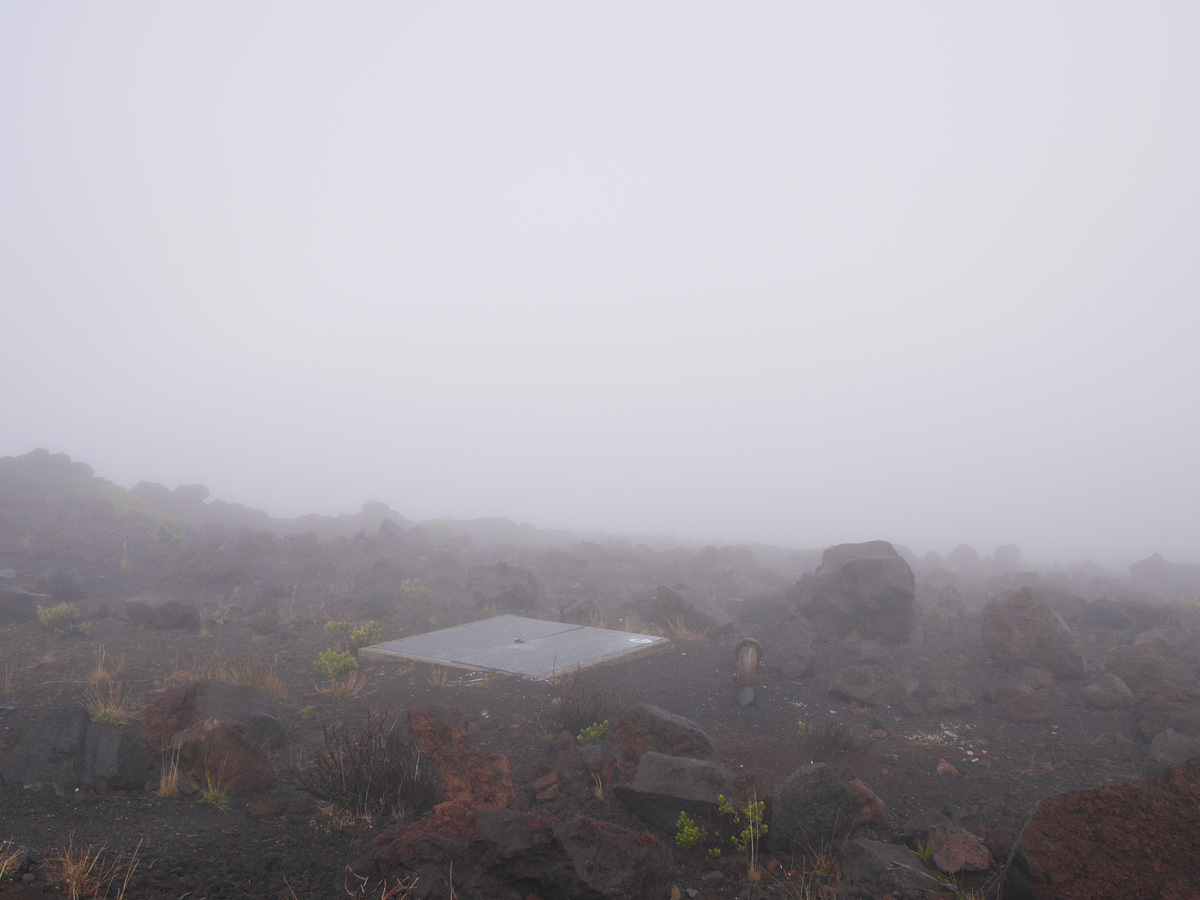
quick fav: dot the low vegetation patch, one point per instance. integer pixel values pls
(250, 673)
(372, 768)
(86, 872)
(110, 703)
(353, 638)
(584, 699)
(332, 663)
(593, 734)
(62, 619)
(214, 792)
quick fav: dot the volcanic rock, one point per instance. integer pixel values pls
(1132, 840)
(1024, 631)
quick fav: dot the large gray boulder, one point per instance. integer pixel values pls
(811, 809)
(867, 588)
(664, 786)
(68, 749)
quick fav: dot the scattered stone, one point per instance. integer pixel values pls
(1149, 664)
(943, 695)
(1166, 707)
(869, 810)
(545, 788)
(497, 851)
(887, 867)
(953, 848)
(1024, 631)
(945, 768)
(872, 685)
(1108, 691)
(1170, 748)
(268, 810)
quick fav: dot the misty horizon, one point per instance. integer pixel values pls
(782, 275)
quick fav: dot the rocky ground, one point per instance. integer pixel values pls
(910, 716)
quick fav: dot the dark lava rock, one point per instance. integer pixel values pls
(867, 588)
(499, 853)
(663, 786)
(811, 809)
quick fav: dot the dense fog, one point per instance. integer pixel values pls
(794, 273)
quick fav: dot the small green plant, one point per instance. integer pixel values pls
(593, 734)
(746, 840)
(62, 619)
(687, 833)
(214, 793)
(925, 854)
(412, 591)
(713, 853)
(332, 663)
(168, 531)
(805, 729)
(354, 639)
(307, 712)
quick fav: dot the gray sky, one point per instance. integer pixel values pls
(798, 272)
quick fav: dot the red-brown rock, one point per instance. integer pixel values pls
(869, 810)
(1024, 631)
(1134, 841)
(217, 751)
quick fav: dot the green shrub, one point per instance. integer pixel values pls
(593, 734)
(62, 619)
(354, 639)
(412, 591)
(333, 663)
(687, 833)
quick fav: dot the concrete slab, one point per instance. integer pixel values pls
(516, 645)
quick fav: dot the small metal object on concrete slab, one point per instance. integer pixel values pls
(530, 647)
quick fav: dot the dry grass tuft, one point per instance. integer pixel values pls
(215, 791)
(84, 873)
(11, 857)
(360, 888)
(104, 673)
(255, 675)
(351, 686)
(168, 779)
(184, 674)
(438, 676)
(110, 704)
(680, 630)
